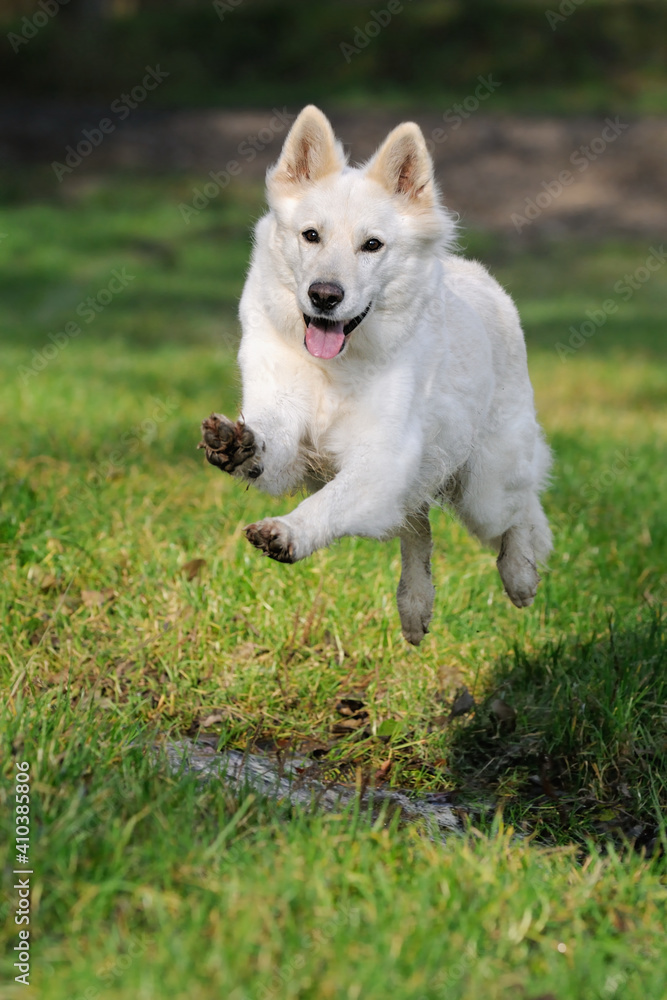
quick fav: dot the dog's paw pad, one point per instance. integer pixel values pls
(415, 607)
(271, 538)
(414, 636)
(520, 599)
(520, 579)
(228, 445)
(218, 432)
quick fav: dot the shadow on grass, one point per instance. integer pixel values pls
(572, 742)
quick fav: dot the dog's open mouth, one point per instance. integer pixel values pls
(325, 338)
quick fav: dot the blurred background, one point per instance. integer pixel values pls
(136, 105)
(565, 56)
(544, 120)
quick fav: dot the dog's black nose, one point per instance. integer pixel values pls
(325, 295)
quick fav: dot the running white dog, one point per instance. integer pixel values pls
(381, 373)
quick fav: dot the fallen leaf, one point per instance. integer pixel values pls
(350, 705)
(463, 703)
(439, 720)
(193, 568)
(348, 725)
(311, 748)
(250, 651)
(382, 772)
(547, 787)
(211, 720)
(503, 712)
(96, 598)
(42, 578)
(645, 537)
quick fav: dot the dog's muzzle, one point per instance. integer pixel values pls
(326, 338)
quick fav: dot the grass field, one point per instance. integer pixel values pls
(145, 884)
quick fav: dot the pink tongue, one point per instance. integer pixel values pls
(324, 342)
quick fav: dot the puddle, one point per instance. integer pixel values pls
(299, 780)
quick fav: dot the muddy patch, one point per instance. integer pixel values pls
(300, 781)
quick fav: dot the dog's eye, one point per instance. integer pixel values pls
(370, 246)
(311, 236)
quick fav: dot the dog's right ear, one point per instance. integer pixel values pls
(311, 151)
(403, 166)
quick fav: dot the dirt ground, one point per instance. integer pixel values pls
(534, 177)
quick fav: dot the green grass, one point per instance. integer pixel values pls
(147, 885)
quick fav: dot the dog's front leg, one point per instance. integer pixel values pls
(231, 446)
(263, 445)
(264, 450)
(368, 497)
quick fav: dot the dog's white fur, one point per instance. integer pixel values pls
(429, 402)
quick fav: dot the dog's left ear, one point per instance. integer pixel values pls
(311, 151)
(403, 165)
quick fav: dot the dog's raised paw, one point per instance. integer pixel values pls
(228, 445)
(520, 579)
(272, 538)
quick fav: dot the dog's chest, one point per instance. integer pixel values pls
(332, 411)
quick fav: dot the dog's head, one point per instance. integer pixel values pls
(352, 241)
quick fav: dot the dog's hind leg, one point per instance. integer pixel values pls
(516, 565)
(415, 593)
(521, 548)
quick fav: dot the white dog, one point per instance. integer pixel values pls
(381, 373)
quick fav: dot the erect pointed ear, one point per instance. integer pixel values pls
(403, 165)
(311, 151)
